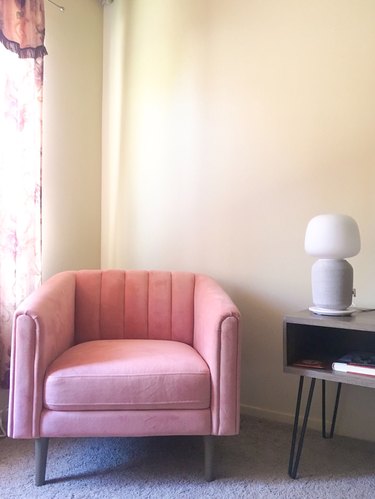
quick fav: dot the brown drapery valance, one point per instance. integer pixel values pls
(22, 27)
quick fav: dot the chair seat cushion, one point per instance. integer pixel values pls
(128, 375)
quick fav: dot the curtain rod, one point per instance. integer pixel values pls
(60, 7)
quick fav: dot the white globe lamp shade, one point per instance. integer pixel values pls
(332, 236)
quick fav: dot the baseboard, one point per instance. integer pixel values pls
(280, 417)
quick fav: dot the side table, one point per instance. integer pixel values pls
(322, 340)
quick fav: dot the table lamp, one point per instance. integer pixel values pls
(332, 238)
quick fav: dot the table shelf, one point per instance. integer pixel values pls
(310, 337)
(326, 339)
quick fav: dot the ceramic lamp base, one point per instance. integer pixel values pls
(332, 284)
(331, 312)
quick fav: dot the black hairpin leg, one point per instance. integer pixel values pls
(337, 400)
(295, 456)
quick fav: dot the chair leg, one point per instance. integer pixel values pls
(209, 444)
(41, 450)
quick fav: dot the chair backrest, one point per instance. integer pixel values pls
(111, 304)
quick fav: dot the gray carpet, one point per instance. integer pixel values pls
(253, 464)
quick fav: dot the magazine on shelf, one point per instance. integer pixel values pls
(357, 363)
(311, 364)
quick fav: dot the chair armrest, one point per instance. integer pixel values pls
(216, 338)
(43, 327)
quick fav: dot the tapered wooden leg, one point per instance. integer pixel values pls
(209, 444)
(41, 450)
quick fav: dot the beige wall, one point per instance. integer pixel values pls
(72, 137)
(227, 125)
(235, 122)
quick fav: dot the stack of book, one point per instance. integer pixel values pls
(356, 363)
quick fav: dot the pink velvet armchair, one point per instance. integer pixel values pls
(124, 353)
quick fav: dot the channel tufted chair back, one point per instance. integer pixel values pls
(101, 353)
(116, 304)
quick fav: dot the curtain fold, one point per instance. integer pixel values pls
(21, 95)
(22, 27)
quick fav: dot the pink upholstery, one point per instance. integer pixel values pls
(134, 304)
(127, 374)
(125, 353)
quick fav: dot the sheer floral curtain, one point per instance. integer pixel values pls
(21, 84)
